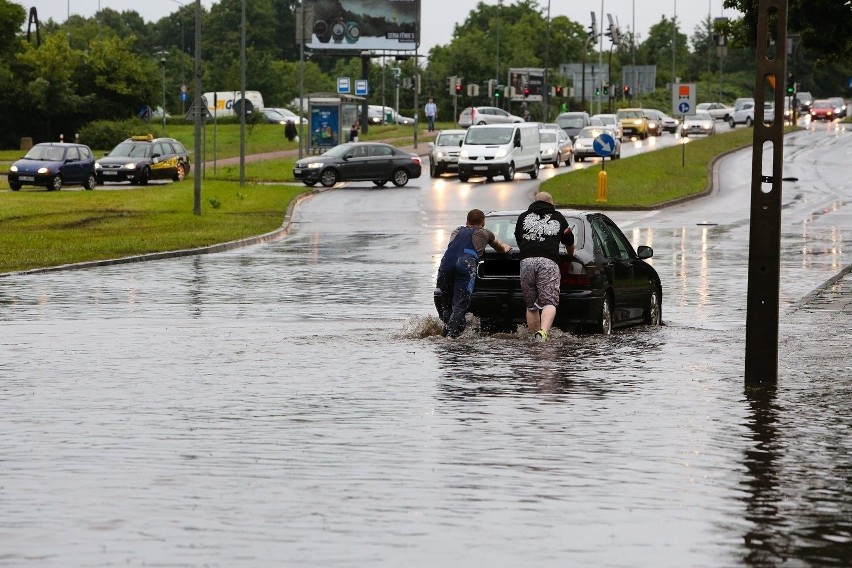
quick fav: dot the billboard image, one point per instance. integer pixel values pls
(363, 24)
(527, 77)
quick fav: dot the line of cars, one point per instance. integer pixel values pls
(137, 160)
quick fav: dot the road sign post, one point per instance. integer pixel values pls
(683, 104)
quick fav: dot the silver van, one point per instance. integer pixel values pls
(500, 149)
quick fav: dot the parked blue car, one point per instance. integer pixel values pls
(53, 165)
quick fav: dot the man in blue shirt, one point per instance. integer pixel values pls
(431, 111)
(457, 272)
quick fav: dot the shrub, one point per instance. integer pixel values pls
(105, 134)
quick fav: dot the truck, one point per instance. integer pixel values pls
(225, 103)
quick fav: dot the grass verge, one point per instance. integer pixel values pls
(42, 229)
(649, 179)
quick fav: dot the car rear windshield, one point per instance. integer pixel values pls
(489, 135)
(547, 136)
(630, 114)
(132, 150)
(503, 227)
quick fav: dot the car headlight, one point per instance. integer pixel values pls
(578, 146)
(501, 153)
(439, 155)
(13, 169)
(652, 125)
(463, 154)
(128, 167)
(547, 152)
(315, 165)
(98, 166)
(44, 170)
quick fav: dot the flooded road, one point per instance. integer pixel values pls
(292, 404)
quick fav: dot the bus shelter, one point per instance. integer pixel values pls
(331, 118)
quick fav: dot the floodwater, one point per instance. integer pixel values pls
(292, 404)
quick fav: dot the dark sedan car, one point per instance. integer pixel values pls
(52, 165)
(605, 284)
(142, 158)
(359, 161)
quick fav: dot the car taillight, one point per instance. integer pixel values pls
(573, 273)
(416, 160)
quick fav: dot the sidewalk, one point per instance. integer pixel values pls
(423, 139)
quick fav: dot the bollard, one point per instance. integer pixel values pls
(601, 187)
(62, 138)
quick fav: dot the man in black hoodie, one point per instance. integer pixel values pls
(538, 232)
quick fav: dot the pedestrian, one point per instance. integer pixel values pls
(538, 232)
(457, 272)
(290, 130)
(353, 132)
(431, 110)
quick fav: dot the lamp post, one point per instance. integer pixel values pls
(162, 53)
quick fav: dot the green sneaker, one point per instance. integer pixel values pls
(541, 335)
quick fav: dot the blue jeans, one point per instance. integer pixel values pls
(456, 285)
(431, 121)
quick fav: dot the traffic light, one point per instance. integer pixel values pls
(626, 90)
(451, 84)
(498, 92)
(791, 85)
(606, 89)
(597, 91)
(526, 92)
(558, 90)
(458, 86)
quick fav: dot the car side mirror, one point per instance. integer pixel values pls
(156, 155)
(347, 156)
(461, 143)
(644, 252)
(430, 145)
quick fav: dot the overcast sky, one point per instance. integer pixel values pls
(439, 17)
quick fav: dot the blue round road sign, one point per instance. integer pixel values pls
(604, 145)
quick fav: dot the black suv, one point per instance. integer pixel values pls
(142, 158)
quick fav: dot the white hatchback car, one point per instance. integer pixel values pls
(486, 115)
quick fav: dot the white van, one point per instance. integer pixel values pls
(221, 103)
(500, 149)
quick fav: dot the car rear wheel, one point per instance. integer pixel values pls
(91, 182)
(55, 183)
(144, 176)
(510, 173)
(654, 313)
(14, 186)
(380, 182)
(604, 325)
(328, 178)
(180, 174)
(400, 177)
(534, 172)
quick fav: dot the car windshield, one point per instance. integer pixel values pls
(47, 153)
(132, 150)
(630, 114)
(570, 121)
(547, 136)
(489, 135)
(503, 227)
(607, 119)
(593, 132)
(449, 139)
(700, 115)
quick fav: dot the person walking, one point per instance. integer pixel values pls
(457, 271)
(431, 110)
(353, 132)
(538, 232)
(290, 130)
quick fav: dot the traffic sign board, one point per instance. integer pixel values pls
(604, 145)
(361, 87)
(343, 85)
(683, 99)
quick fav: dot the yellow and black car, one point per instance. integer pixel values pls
(142, 158)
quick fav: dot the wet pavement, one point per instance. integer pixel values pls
(292, 403)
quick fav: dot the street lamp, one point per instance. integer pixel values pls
(163, 53)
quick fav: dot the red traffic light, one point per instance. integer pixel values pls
(559, 90)
(526, 91)
(458, 88)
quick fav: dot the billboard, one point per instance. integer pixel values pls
(531, 78)
(350, 25)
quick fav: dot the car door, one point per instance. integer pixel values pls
(501, 116)
(618, 268)
(72, 169)
(160, 168)
(355, 163)
(381, 162)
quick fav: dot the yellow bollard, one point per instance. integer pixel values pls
(601, 187)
